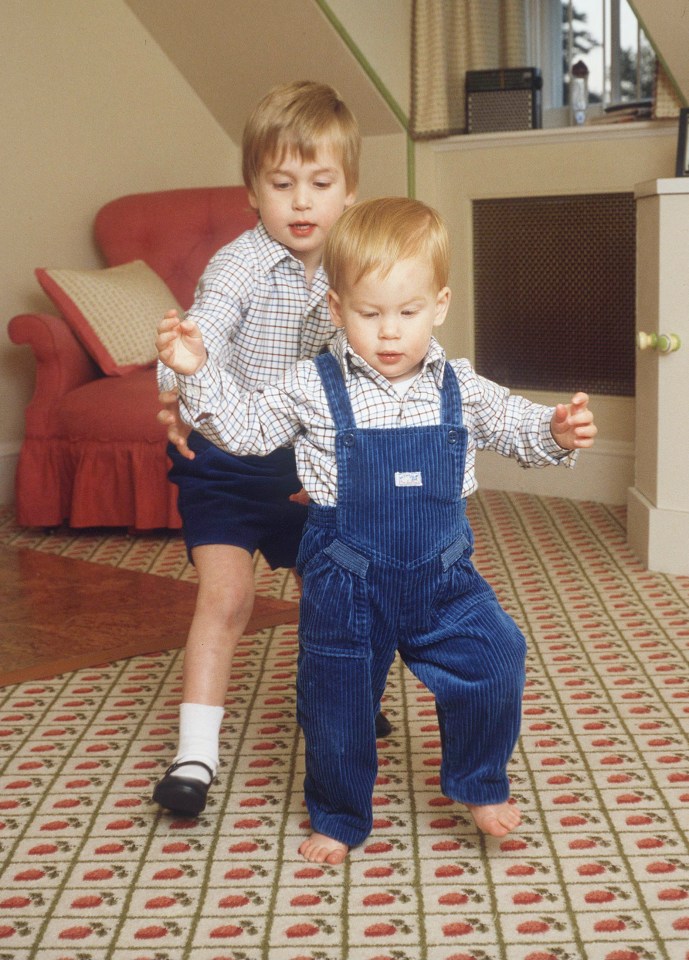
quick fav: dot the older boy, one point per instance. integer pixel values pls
(261, 305)
(385, 432)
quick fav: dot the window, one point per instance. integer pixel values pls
(606, 36)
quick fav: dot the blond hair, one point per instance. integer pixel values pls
(373, 235)
(300, 117)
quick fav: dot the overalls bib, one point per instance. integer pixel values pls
(389, 569)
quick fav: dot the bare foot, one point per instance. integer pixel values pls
(321, 849)
(496, 819)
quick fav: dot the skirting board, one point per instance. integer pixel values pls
(657, 536)
(602, 474)
(9, 455)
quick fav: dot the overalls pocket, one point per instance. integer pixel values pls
(457, 579)
(335, 617)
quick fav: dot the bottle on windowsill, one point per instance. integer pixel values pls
(578, 93)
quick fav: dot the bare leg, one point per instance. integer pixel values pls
(321, 849)
(496, 819)
(223, 606)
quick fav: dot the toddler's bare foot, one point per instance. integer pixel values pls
(321, 849)
(496, 819)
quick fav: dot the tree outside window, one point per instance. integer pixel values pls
(606, 36)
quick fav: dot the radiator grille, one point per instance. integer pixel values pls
(554, 292)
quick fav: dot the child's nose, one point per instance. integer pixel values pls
(389, 328)
(302, 198)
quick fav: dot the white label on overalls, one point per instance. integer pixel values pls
(408, 479)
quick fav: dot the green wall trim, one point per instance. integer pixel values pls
(380, 87)
(411, 168)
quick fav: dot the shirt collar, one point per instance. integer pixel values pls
(351, 362)
(271, 253)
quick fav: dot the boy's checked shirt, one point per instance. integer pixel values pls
(295, 411)
(255, 312)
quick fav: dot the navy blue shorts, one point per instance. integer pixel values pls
(239, 501)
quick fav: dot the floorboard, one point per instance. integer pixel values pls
(61, 614)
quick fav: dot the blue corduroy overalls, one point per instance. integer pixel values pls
(389, 569)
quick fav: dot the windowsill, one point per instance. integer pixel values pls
(591, 132)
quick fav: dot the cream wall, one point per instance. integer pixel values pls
(383, 166)
(90, 109)
(382, 31)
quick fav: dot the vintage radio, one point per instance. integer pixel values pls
(500, 100)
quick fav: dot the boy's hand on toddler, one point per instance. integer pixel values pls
(177, 430)
(179, 344)
(301, 497)
(572, 423)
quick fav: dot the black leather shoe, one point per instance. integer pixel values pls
(383, 726)
(185, 795)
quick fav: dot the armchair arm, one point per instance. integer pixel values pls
(62, 364)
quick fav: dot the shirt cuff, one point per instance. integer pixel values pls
(166, 379)
(199, 393)
(552, 448)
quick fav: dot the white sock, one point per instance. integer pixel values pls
(199, 736)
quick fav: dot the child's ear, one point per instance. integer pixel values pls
(335, 307)
(442, 304)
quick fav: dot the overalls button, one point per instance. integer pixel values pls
(348, 440)
(452, 436)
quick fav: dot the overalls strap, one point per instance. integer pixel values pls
(451, 400)
(336, 391)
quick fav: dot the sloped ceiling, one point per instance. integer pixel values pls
(666, 22)
(232, 51)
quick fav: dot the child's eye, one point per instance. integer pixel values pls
(410, 312)
(323, 184)
(281, 184)
(369, 314)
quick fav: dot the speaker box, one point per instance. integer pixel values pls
(501, 100)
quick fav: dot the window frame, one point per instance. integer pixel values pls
(544, 49)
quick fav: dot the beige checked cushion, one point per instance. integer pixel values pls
(113, 312)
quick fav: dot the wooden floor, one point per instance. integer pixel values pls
(58, 614)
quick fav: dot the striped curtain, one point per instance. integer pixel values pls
(450, 37)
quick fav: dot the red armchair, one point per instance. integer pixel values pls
(93, 453)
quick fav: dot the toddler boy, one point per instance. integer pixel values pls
(386, 430)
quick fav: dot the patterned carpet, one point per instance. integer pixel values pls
(599, 870)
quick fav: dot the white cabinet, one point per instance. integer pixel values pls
(658, 503)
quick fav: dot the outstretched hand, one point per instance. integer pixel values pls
(179, 344)
(177, 430)
(572, 423)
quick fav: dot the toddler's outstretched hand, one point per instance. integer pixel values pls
(572, 423)
(179, 344)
